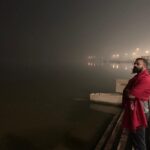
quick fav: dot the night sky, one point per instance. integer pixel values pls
(67, 31)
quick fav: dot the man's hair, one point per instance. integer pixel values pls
(144, 60)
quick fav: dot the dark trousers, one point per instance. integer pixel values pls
(147, 135)
(137, 139)
(147, 132)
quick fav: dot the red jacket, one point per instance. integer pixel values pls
(138, 86)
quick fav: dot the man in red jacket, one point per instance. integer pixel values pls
(135, 103)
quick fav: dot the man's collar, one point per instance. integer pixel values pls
(143, 72)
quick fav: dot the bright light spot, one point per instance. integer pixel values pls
(113, 66)
(117, 55)
(133, 53)
(90, 57)
(117, 66)
(137, 49)
(147, 52)
(126, 68)
(113, 55)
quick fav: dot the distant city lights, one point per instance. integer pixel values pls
(91, 64)
(137, 49)
(115, 55)
(119, 60)
(147, 52)
(133, 54)
(126, 68)
(115, 66)
(91, 57)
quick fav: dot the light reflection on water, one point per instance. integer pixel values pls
(123, 66)
(114, 65)
(119, 69)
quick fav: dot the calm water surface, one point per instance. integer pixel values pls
(48, 107)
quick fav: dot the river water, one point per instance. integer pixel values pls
(48, 108)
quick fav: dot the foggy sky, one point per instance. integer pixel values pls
(64, 31)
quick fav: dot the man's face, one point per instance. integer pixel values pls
(138, 66)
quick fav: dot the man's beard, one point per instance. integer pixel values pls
(136, 70)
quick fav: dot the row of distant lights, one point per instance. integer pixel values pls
(91, 57)
(91, 64)
(116, 66)
(133, 54)
(126, 54)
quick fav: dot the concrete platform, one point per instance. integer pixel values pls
(111, 98)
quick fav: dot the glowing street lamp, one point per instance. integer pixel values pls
(113, 66)
(137, 49)
(146, 52)
(117, 55)
(133, 54)
(117, 66)
(113, 56)
(126, 68)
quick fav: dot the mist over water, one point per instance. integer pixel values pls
(50, 108)
(46, 79)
